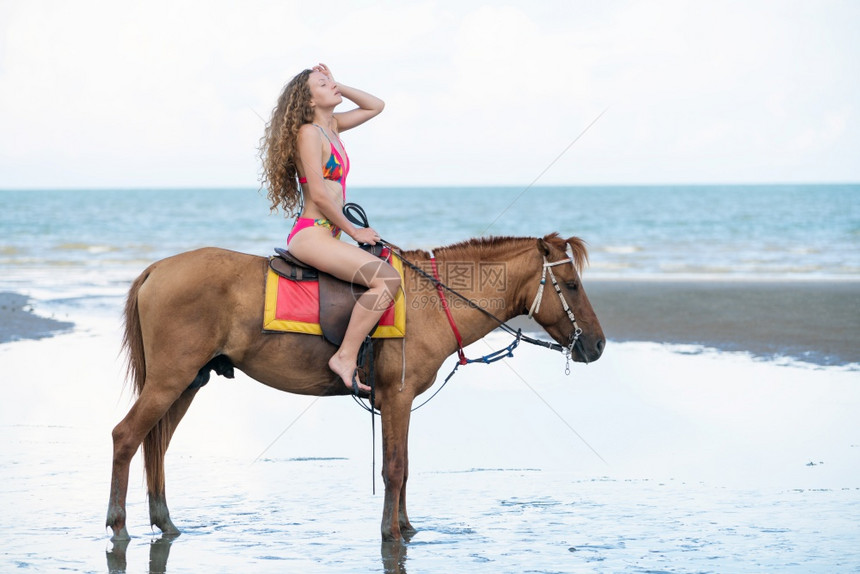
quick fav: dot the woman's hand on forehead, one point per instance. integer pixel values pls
(323, 69)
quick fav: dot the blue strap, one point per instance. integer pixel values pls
(500, 354)
(325, 134)
(486, 359)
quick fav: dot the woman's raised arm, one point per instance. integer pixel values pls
(368, 106)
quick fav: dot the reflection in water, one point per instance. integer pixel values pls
(116, 557)
(393, 557)
(159, 551)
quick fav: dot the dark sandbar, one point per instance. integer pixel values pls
(815, 321)
(18, 322)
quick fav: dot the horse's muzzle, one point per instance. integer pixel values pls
(589, 351)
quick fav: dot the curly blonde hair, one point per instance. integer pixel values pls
(279, 144)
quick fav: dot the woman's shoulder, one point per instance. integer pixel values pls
(308, 130)
(309, 135)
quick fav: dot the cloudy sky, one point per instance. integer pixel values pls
(171, 93)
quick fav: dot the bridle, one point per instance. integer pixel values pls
(535, 308)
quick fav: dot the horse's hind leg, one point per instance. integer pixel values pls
(127, 437)
(159, 515)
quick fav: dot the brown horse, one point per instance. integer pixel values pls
(203, 310)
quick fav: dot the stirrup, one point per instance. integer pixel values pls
(355, 390)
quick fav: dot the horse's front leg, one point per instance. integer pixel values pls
(395, 433)
(406, 528)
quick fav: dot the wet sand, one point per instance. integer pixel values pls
(814, 321)
(18, 322)
(646, 460)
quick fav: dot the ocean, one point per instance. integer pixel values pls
(732, 232)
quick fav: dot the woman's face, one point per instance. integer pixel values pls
(324, 92)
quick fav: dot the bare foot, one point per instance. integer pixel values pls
(345, 369)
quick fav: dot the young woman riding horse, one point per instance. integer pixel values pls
(179, 328)
(302, 141)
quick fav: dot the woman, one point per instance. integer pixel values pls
(302, 143)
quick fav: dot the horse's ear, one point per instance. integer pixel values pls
(542, 247)
(578, 251)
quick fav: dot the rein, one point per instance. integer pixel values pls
(356, 215)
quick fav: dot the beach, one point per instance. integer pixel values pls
(813, 321)
(664, 455)
(717, 433)
(18, 321)
(690, 167)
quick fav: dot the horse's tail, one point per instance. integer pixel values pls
(132, 340)
(156, 440)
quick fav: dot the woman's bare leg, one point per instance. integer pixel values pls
(315, 246)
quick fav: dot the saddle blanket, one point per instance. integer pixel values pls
(294, 307)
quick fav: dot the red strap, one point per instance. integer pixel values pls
(444, 301)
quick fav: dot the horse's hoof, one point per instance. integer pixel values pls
(168, 529)
(407, 532)
(170, 535)
(121, 535)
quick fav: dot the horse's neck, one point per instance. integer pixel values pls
(496, 278)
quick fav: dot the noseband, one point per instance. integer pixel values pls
(535, 308)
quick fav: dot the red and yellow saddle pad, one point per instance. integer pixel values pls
(294, 307)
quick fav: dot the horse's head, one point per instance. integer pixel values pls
(560, 304)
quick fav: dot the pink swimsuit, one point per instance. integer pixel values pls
(335, 169)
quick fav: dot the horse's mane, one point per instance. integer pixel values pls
(481, 246)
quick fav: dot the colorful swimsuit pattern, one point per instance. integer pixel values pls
(335, 169)
(303, 222)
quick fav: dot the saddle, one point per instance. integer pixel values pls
(336, 297)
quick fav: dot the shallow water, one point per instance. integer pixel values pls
(303, 516)
(693, 480)
(319, 516)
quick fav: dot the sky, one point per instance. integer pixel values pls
(134, 94)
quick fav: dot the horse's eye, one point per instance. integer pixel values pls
(572, 285)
